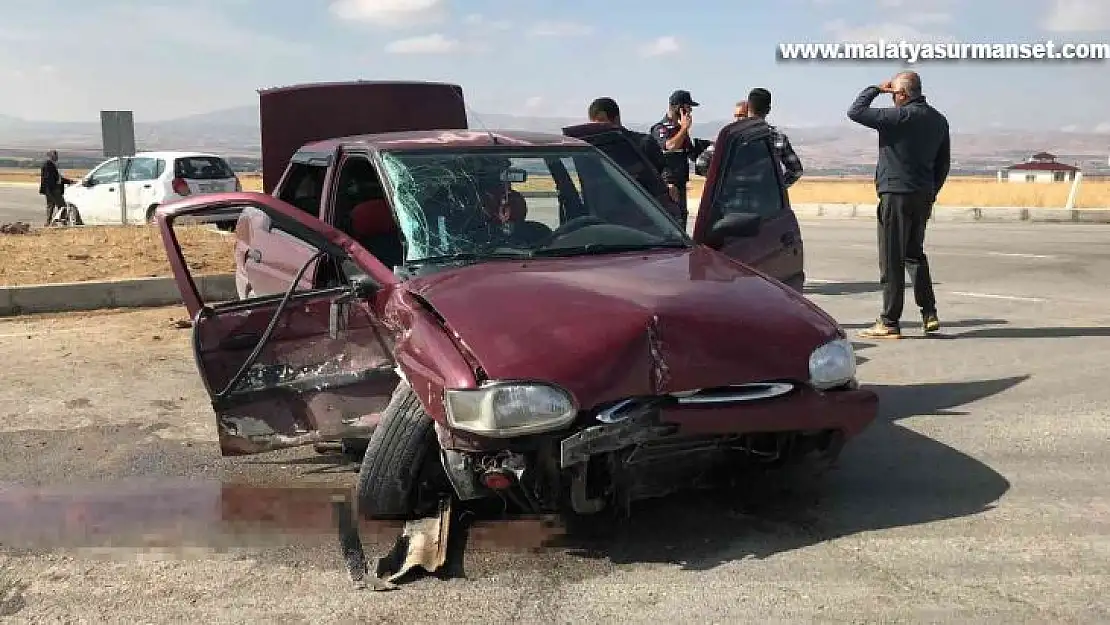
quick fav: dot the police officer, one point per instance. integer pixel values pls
(672, 133)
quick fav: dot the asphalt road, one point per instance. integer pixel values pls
(980, 496)
(21, 202)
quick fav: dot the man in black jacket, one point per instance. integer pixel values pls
(52, 184)
(606, 111)
(914, 159)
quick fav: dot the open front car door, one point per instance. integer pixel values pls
(311, 364)
(745, 210)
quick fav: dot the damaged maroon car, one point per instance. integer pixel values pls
(512, 316)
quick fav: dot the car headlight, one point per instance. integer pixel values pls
(505, 409)
(832, 365)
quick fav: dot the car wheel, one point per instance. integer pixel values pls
(397, 460)
(150, 214)
(74, 217)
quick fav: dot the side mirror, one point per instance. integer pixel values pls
(733, 225)
(363, 286)
(88, 183)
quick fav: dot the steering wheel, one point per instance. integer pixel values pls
(574, 224)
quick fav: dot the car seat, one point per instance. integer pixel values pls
(372, 225)
(531, 232)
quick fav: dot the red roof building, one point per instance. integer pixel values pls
(1040, 167)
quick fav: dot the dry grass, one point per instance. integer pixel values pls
(251, 182)
(959, 191)
(106, 253)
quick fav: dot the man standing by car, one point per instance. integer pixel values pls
(606, 111)
(52, 185)
(759, 106)
(914, 159)
(672, 133)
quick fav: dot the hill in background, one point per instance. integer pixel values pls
(847, 149)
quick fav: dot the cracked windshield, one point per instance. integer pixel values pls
(521, 204)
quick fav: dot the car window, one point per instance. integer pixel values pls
(487, 203)
(108, 172)
(303, 187)
(160, 168)
(748, 182)
(142, 168)
(202, 168)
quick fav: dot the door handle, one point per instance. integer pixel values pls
(111, 189)
(255, 255)
(146, 186)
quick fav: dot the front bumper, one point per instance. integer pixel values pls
(847, 412)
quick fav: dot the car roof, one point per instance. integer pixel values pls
(446, 139)
(170, 154)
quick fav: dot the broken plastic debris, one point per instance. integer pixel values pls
(423, 543)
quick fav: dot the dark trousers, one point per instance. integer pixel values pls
(902, 218)
(54, 200)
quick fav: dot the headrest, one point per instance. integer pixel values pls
(518, 208)
(372, 218)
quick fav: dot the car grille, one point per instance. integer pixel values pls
(720, 396)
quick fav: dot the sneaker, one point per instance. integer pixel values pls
(881, 331)
(931, 323)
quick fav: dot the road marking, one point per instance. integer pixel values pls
(935, 252)
(1015, 298)
(1016, 255)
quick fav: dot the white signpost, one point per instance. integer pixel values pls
(117, 129)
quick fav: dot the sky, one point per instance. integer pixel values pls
(68, 59)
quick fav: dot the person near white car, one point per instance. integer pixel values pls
(150, 179)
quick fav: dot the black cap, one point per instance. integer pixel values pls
(682, 97)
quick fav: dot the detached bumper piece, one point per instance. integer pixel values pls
(422, 544)
(641, 424)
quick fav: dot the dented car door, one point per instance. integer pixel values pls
(307, 365)
(744, 180)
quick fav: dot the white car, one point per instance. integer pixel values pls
(151, 179)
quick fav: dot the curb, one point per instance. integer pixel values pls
(136, 293)
(959, 214)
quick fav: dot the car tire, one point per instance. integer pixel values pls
(390, 478)
(150, 214)
(75, 216)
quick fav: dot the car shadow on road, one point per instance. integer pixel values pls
(957, 323)
(889, 477)
(1034, 333)
(841, 288)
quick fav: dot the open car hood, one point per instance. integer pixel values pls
(614, 326)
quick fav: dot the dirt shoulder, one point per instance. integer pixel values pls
(52, 255)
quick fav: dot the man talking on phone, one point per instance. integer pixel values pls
(672, 133)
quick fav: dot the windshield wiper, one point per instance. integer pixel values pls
(466, 257)
(608, 248)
